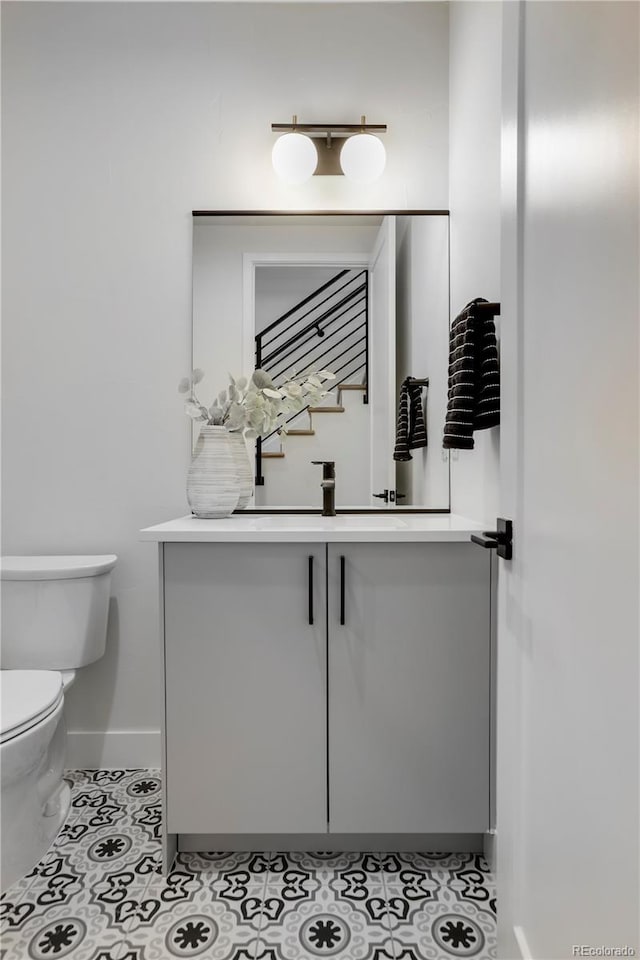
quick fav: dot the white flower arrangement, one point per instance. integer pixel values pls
(256, 406)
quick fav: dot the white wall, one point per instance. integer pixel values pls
(118, 120)
(568, 656)
(474, 200)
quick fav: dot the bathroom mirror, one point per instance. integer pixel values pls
(364, 295)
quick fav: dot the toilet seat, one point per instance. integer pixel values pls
(28, 697)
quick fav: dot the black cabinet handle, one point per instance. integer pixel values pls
(342, 604)
(310, 591)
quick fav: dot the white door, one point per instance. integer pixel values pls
(382, 359)
(567, 728)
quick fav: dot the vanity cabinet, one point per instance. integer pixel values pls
(371, 719)
(408, 678)
(246, 679)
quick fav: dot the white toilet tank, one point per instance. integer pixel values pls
(54, 611)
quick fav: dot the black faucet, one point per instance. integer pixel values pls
(328, 486)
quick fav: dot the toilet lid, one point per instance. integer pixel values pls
(55, 568)
(27, 696)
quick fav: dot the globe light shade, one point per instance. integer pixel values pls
(363, 158)
(294, 157)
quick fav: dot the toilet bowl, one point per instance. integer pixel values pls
(35, 798)
(54, 620)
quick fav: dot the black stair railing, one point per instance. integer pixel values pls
(328, 328)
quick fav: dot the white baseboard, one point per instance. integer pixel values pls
(90, 750)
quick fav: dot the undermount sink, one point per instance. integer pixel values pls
(318, 522)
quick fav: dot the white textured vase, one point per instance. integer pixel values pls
(213, 489)
(243, 468)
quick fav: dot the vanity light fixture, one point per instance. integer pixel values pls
(328, 149)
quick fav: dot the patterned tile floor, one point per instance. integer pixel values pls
(98, 895)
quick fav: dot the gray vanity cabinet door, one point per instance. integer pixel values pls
(245, 688)
(409, 688)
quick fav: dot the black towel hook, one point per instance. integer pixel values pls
(419, 383)
(493, 309)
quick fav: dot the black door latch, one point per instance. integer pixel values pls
(500, 539)
(390, 496)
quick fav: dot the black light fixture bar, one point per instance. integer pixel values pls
(323, 129)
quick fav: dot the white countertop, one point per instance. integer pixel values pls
(308, 528)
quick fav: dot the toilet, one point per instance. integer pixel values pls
(54, 621)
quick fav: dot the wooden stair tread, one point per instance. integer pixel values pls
(301, 433)
(352, 386)
(326, 409)
(273, 455)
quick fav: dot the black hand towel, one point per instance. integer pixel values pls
(411, 430)
(474, 378)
